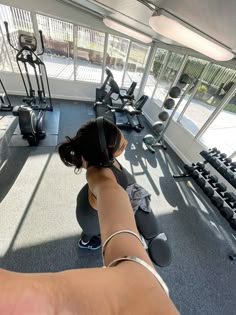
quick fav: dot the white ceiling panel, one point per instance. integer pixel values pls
(216, 18)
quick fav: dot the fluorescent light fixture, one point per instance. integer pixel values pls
(127, 31)
(176, 31)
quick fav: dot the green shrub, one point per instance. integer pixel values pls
(202, 88)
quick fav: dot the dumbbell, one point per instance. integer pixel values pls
(219, 188)
(205, 172)
(213, 179)
(204, 178)
(208, 190)
(228, 212)
(229, 174)
(198, 166)
(222, 156)
(232, 181)
(217, 201)
(214, 161)
(201, 181)
(232, 166)
(230, 197)
(233, 224)
(195, 174)
(222, 169)
(227, 161)
(209, 153)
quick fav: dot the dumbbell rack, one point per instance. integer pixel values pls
(222, 164)
(160, 141)
(217, 192)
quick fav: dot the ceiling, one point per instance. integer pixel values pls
(216, 18)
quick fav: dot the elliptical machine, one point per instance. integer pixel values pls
(32, 114)
(5, 103)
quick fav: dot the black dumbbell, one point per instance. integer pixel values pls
(229, 174)
(230, 197)
(204, 153)
(233, 166)
(189, 168)
(227, 161)
(213, 179)
(208, 190)
(201, 181)
(200, 165)
(195, 174)
(211, 157)
(205, 172)
(233, 181)
(233, 224)
(222, 156)
(217, 201)
(214, 161)
(220, 188)
(208, 154)
(222, 169)
(228, 213)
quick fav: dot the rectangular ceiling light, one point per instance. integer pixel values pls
(176, 31)
(126, 30)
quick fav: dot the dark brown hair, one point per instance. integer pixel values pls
(86, 144)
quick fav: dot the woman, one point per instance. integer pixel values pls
(128, 285)
(85, 146)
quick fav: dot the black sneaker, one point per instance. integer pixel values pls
(94, 244)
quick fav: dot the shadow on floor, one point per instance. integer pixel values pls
(51, 256)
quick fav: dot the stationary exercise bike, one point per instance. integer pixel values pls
(132, 109)
(32, 113)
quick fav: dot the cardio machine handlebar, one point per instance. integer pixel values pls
(8, 35)
(42, 44)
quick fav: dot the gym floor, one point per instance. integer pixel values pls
(39, 231)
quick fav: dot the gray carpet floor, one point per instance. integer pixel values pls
(39, 231)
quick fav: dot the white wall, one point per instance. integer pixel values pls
(62, 89)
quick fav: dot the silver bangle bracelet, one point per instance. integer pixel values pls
(144, 264)
(116, 233)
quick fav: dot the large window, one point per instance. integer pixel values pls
(207, 97)
(167, 77)
(222, 131)
(90, 50)
(18, 21)
(116, 56)
(59, 47)
(194, 68)
(155, 71)
(5, 64)
(136, 64)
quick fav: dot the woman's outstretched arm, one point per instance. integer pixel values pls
(125, 289)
